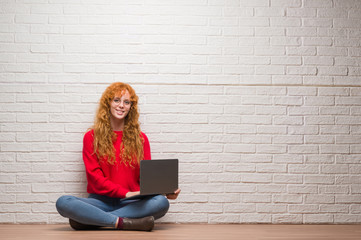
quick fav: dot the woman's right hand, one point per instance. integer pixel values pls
(131, 194)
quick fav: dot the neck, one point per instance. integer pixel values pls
(117, 125)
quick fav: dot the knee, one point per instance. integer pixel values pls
(62, 203)
(162, 205)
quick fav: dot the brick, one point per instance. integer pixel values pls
(351, 219)
(7, 137)
(269, 168)
(319, 140)
(271, 208)
(300, 189)
(322, 120)
(31, 218)
(31, 178)
(292, 60)
(266, 31)
(288, 139)
(220, 218)
(302, 111)
(18, 188)
(318, 41)
(225, 119)
(271, 129)
(319, 179)
(224, 138)
(255, 139)
(285, 218)
(355, 209)
(343, 159)
(251, 158)
(334, 129)
(224, 157)
(318, 218)
(334, 190)
(47, 187)
(288, 179)
(318, 80)
(255, 218)
(256, 178)
(285, 22)
(240, 168)
(301, 12)
(271, 189)
(256, 198)
(290, 120)
(247, 110)
(320, 198)
(209, 188)
(298, 208)
(301, 32)
(183, 179)
(12, 208)
(288, 100)
(239, 208)
(228, 79)
(318, 3)
(319, 101)
(240, 148)
(15, 147)
(351, 179)
(289, 198)
(301, 168)
(334, 148)
(7, 157)
(334, 71)
(332, 13)
(307, 130)
(334, 111)
(255, 79)
(29, 198)
(256, 119)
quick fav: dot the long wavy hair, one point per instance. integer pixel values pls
(131, 149)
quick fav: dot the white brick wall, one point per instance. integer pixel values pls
(260, 101)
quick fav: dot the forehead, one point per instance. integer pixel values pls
(122, 94)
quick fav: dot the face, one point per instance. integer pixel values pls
(120, 106)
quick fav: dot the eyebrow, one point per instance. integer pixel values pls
(125, 99)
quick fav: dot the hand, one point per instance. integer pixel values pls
(131, 194)
(174, 195)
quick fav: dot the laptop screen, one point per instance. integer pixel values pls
(158, 176)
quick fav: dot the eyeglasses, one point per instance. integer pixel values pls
(118, 101)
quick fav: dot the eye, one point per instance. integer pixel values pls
(116, 100)
(126, 102)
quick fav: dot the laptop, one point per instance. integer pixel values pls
(157, 177)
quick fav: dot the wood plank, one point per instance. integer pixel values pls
(187, 231)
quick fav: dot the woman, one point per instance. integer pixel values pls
(112, 151)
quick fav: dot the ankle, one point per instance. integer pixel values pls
(119, 223)
(138, 224)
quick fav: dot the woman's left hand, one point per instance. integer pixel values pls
(174, 195)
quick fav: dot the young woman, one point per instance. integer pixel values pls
(112, 151)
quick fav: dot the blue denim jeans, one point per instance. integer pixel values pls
(104, 211)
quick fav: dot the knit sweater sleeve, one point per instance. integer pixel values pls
(146, 148)
(97, 182)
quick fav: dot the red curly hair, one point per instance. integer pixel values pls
(132, 143)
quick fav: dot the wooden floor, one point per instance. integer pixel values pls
(187, 231)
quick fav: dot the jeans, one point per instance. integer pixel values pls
(104, 211)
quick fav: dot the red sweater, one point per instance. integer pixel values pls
(111, 180)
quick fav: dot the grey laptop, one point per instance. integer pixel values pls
(157, 177)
